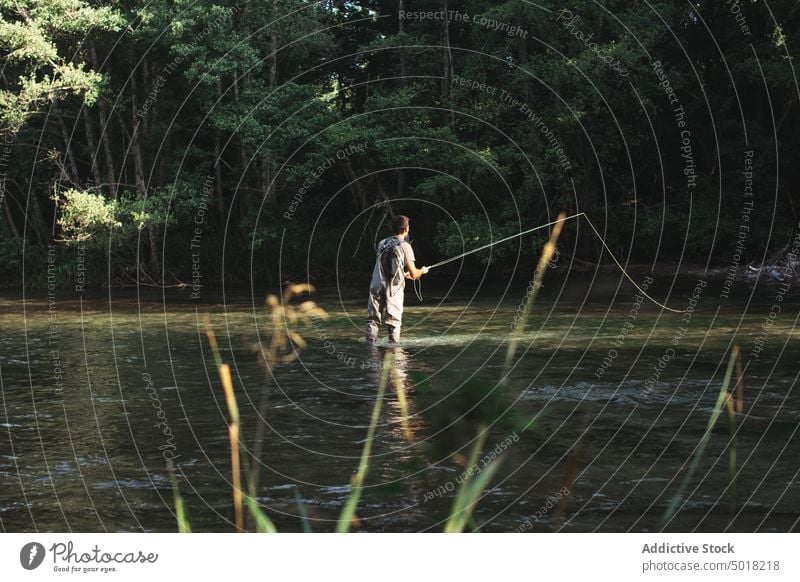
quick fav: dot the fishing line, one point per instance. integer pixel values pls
(502, 240)
(541, 226)
(418, 289)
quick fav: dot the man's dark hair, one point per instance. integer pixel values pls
(399, 223)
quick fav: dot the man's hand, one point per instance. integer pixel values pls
(420, 272)
(413, 273)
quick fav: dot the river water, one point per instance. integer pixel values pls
(607, 398)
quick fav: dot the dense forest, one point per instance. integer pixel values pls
(162, 142)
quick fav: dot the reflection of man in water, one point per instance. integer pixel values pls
(394, 264)
(403, 421)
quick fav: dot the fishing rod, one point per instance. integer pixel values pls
(508, 238)
(541, 226)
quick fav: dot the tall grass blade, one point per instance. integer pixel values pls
(724, 395)
(349, 510)
(224, 372)
(472, 463)
(263, 523)
(283, 348)
(212, 340)
(180, 509)
(734, 405)
(546, 256)
(301, 510)
(739, 383)
(233, 436)
(731, 456)
(400, 390)
(471, 489)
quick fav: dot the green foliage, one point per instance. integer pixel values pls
(85, 215)
(260, 96)
(31, 32)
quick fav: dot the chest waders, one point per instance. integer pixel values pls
(386, 291)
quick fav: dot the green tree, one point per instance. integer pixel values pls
(35, 73)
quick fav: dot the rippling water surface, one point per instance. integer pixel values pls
(97, 392)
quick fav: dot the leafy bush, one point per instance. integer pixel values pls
(84, 215)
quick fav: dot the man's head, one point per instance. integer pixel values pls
(399, 224)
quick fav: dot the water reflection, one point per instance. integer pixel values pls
(394, 361)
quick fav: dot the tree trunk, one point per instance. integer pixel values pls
(146, 84)
(585, 197)
(401, 183)
(354, 183)
(266, 178)
(138, 171)
(163, 161)
(524, 60)
(266, 161)
(104, 130)
(92, 147)
(9, 217)
(273, 47)
(218, 161)
(35, 216)
(401, 31)
(136, 149)
(401, 174)
(447, 56)
(244, 189)
(384, 196)
(73, 166)
(218, 180)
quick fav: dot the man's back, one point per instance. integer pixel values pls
(393, 255)
(385, 303)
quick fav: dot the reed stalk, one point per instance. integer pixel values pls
(722, 401)
(301, 508)
(180, 509)
(546, 256)
(357, 482)
(224, 372)
(739, 383)
(734, 405)
(731, 455)
(402, 400)
(240, 500)
(472, 488)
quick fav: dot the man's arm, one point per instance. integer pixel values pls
(412, 272)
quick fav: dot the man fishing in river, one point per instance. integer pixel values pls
(394, 264)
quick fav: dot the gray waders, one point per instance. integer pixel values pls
(386, 293)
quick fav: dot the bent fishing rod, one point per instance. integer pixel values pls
(541, 226)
